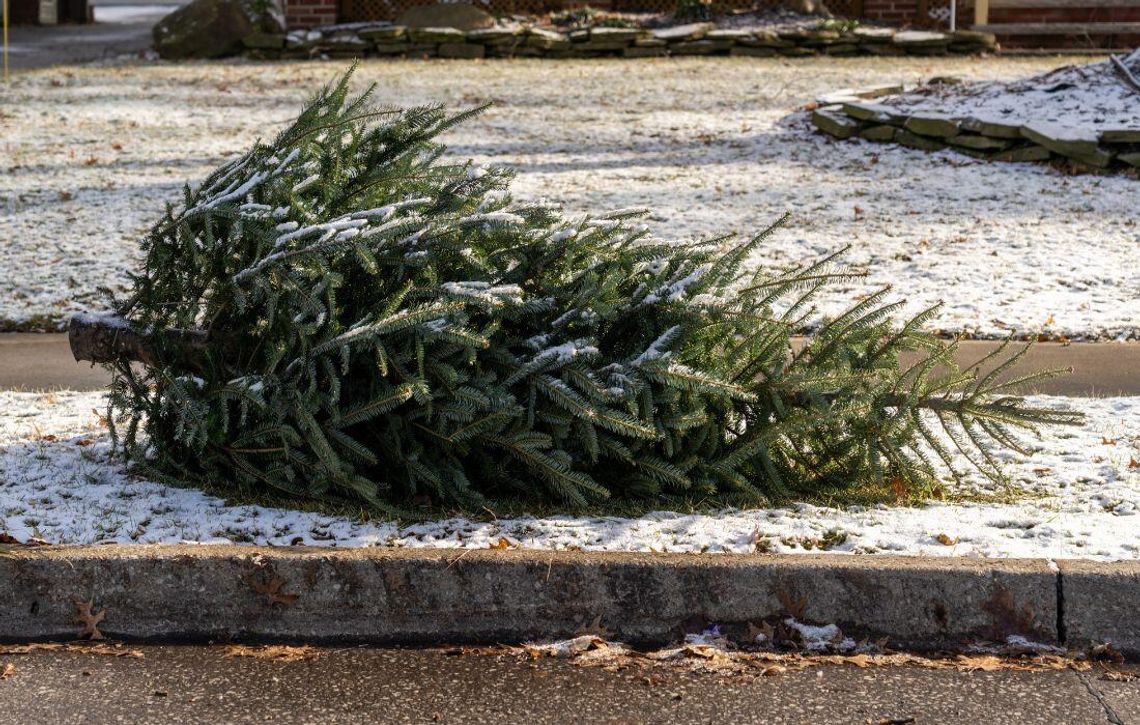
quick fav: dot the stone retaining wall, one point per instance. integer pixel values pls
(386, 40)
(860, 118)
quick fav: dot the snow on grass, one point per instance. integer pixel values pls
(1080, 493)
(89, 156)
(1072, 100)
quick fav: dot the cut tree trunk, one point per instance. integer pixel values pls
(110, 339)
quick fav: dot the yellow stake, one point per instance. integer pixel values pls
(4, 4)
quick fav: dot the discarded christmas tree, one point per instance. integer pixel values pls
(341, 313)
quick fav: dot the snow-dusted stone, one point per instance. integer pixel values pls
(930, 125)
(874, 35)
(624, 36)
(914, 141)
(546, 39)
(436, 35)
(834, 122)
(916, 38)
(873, 112)
(496, 36)
(389, 34)
(993, 129)
(1064, 140)
(729, 34)
(765, 38)
(1120, 135)
(1132, 159)
(979, 143)
(460, 16)
(691, 31)
(878, 133)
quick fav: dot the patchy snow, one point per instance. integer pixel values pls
(88, 157)
(1080, 499)
(1073, 101)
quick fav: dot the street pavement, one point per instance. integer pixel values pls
(33, 361)
(205, 685)
(120, 29)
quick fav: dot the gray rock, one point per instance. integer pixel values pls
(625, 36)
(914, 141)
(874, 112)
(495, 36)
(644, 51)
(213, 28)
(700, 47)
(756, 51)
(993, 129)
(835, 123)
(389, 34)
(692, 31)
(436, 35)
(460, 16)
(546, 39)
(1032, 152)
(397, 48)
(936, 126)
(1132, 159)
(979, 143)
(1120, 135)
(874, 35)
(1100, 158)
(1067, 142)
(973, 38)
(878, 133)
(920, 39)
(765, 38)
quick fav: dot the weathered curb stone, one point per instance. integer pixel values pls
(1060, 141)
(1101, 602)
(419, 597)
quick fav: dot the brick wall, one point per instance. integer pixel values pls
(309, 13)
(895, 12)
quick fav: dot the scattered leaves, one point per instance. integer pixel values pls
(95, 648)
(275, 652)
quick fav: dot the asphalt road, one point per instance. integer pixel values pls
(203, 684)
(32, 361)
(120, 29)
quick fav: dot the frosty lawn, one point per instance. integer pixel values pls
(1077, 497)
(92, 154)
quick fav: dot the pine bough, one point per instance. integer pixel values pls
(372, 322)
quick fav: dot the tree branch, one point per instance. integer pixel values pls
(111, 339)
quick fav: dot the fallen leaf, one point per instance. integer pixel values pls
(502, 543)
(271, 589)
(95, 648)
(945, 540)
(274, 653)
(7, 671)
(90, 620)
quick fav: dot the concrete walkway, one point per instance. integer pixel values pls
(30, 361)
(120, 29)
(205, 684)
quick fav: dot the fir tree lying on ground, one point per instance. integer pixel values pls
(344, 313)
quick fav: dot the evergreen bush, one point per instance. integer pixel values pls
(382, 324)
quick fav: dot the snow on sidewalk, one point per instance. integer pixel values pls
(90, 155)
(1082, 494)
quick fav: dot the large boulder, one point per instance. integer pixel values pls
(214, 28)
(450, 15)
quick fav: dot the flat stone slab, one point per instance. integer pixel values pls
(484, 595)
(936, 126)
(834, 122)
(979, 143)
(994, 129)
(1101, 603)
(692, 31)
(1120, 135)
(1064, 141)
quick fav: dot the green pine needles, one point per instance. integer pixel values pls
(384, 325)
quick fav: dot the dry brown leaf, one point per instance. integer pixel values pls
(7, 670)
(89, 619)
(271, 589)
(274, 652)
(94, 648)
(945, 540)
(502, 543)
(1133, 463)
(793, 606)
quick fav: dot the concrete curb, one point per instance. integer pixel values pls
(200, 593)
